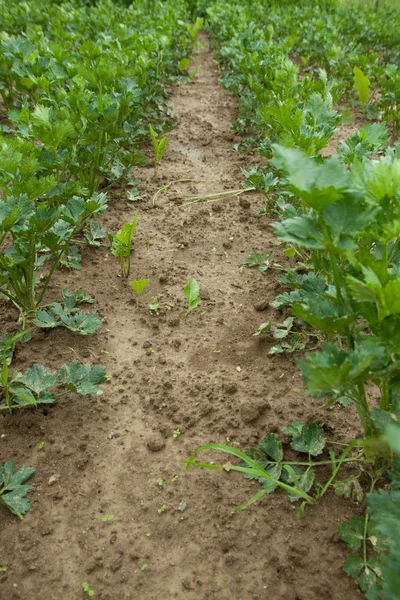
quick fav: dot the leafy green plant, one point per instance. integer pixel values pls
(68, 314)
(87, 590)
(159, 147)
(34, 385)
(121, 244)
(107, 518)
(12, 489)
(41, 234)
(194, 29)
(154, 307)
(191, 291)
(262, 262)
(139, 285)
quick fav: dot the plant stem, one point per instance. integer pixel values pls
(336, 470)
(386, 403)
(336, 277)
(364, 412)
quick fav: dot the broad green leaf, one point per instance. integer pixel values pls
(191, 291)
(272, 446)
(183, 64)
(39, 378)
(305, 483)
(353, 565)
(310, 439)
(361, 85)
(352, 532)
(12, 491)
(138, 285)
(82, 378)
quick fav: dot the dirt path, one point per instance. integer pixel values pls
(203, 375)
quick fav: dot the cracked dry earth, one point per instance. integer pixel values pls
(203, 375)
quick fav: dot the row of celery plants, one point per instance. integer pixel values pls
(79, 86)
(339, 220)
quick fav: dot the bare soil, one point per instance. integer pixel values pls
(203, 375)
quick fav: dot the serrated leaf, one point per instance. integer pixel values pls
(305, 483)
(12, 492)
(311, 439)
(353, 565)
(39, 378)
(352, 532)
(295, 428)
(82, 379)
(272, 446)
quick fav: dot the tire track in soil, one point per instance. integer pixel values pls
(175, 373)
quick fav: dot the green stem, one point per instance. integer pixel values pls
(336, 277)
(386, 402)
(364, 412)
(385, 255)
(341, 461)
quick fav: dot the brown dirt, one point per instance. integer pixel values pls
(204, 375)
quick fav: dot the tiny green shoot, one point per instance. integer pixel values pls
(154, 307)
(191, 291)
(87, 589)
(159, 147)
(160, 482)
(107, 518)
(40, 445)
(176, 433)
(162, 509)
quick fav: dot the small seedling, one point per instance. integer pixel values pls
(160, 482)
(191, 291)
(147, 534)
(143, 567)
(175, 478)
(40, 446)
(121, 244)
(107, 518)
(119, 388)
(104, 352)
(139, 285)
(154, 307)
(182, 506)
(176, 433)
(159, 148)
(194, 29)
(87, 589)
(162, 509)
(262, 262)
(3, 569)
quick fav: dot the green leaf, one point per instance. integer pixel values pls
(183, 64)
(57, 315)
(317, 184)
(305, 483)
(310, 439)
(12, 491)
(82, 379)
(272, 446)
(361, 85)
(39, 378)
(352, 532)
(138, 285)
(191, 291)
(353, 565)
